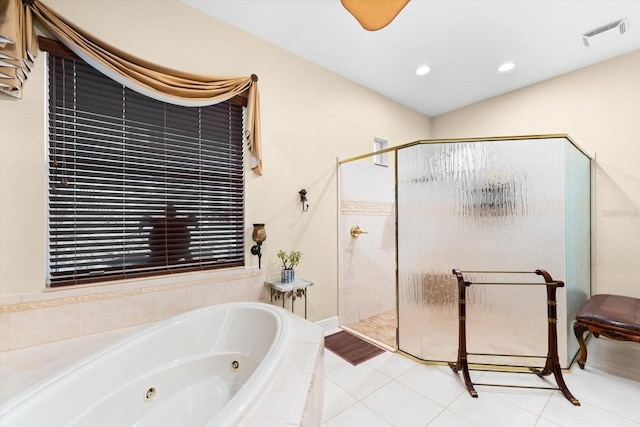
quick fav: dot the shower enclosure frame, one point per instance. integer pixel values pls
(395, 150)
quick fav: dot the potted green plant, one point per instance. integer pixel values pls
(289, 261)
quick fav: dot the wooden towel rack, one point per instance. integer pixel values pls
(552, 364)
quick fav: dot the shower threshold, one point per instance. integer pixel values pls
(380, 329)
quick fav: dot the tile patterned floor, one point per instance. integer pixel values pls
(393, 390)
(381, 327)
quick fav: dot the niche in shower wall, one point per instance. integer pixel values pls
(516, 204)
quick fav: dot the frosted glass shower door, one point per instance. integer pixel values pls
(478, 205)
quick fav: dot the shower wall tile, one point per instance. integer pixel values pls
(378, 287)
(362, 180)
(349, 306)
(368, 262)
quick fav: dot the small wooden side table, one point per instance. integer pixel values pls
(296, 289)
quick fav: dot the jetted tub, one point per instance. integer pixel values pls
(206, 367)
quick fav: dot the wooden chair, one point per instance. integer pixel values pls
(612, 316)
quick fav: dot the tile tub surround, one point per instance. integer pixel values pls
(295, 397)
(62, 313)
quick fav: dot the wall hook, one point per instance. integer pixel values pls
(303, 198)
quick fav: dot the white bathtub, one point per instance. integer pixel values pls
(206, 367)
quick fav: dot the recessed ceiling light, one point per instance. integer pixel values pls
(507, 66)
(421, 71)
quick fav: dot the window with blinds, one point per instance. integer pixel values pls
(138, 186)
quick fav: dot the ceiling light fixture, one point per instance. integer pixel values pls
(374, 15)
(422, 70)
(507, 66)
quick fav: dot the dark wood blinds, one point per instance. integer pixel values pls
(138, 186)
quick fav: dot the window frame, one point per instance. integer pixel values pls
(52, 47)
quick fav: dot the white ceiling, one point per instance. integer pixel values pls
(463, 41)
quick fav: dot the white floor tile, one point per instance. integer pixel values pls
(336, 400)
(331, 361)
(532, 400)
(448, 419)
(402, 406)
(544, 423)
(367, 395)
(431, 382)
(488, 411)
(392, 364)
(357, 416)
(563, 413)
(605, 391)
(359, 381)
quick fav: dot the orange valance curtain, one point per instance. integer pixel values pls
(164, 84)
(18, 46)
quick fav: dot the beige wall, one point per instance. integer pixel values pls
(309, 118)
(599, 107)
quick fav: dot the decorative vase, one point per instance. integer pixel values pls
(288, 275)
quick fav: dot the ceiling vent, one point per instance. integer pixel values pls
(600, 32)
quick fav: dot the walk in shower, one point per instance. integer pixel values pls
(367, 264)
(497, 204)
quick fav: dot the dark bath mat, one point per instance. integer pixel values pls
(351, 348)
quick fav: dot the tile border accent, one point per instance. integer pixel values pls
(366, 207)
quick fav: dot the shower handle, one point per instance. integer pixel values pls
(356, 232)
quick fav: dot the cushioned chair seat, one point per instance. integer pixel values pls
(613, 316)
